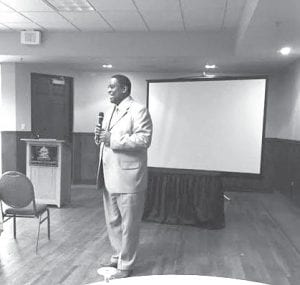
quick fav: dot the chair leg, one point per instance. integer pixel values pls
(15, 227)
(48, 223)
(38, 236)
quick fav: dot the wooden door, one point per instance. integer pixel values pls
(52, 106)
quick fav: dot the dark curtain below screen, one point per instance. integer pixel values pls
(187, 199)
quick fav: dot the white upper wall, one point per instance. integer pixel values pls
(90, 93)
(8, 97)
(90, 97)
(283, 112)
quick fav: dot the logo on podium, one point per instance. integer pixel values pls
(43, 155)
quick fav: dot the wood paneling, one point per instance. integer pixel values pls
(281, 164)
(9, 151)
(85, 158)
(14, 151)
(287, 168)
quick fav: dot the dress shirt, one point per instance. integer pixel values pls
(119, 110)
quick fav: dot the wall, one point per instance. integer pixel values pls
(16, 118)
(8, 97)
(23, 89)
(90, 92)
(283, 113)
(1, 112)
(281, 155)
(283, 123)
(90, 97)
(8, 115)
(126, 45)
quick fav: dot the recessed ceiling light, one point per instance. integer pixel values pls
(70, 5)
(210, 66)
(285, 50)
(106, 65)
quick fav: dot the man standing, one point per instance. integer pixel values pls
(124, 138)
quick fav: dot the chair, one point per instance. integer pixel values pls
(17, 192)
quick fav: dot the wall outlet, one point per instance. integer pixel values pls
(23, 126)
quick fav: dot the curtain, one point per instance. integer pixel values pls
(187, 199)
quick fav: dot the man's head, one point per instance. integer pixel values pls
(119, 88)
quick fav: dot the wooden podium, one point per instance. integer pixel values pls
(48, 166)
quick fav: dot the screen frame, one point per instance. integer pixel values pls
(215, 172)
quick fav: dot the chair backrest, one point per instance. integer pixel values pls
(16, 190)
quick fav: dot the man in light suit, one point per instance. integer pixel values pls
(124, 138)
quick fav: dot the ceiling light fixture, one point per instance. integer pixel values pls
(285, 50)
(70, 5)
(106, 65)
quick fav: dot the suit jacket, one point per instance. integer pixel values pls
(124, 162)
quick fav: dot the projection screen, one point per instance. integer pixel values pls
(213, 125)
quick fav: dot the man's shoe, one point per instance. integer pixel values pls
(109, 264)
(121, 274)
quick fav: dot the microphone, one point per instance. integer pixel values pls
(100, 120)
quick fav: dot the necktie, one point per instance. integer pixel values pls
(113, 117)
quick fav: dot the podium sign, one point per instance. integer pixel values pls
(43, 155)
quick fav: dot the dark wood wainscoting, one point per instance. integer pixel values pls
(286, 160)
(14, 150)
(281, 164)
(281, 167)
(85, 158)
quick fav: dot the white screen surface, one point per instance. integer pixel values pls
(207, 125)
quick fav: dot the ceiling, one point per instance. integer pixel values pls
(123, 15)
(155, 35)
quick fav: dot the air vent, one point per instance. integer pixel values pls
(30, 37)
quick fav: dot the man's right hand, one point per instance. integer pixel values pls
(97, 132)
